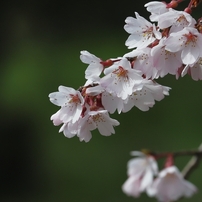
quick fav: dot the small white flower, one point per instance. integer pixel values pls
(188, 41)
(143, 61)
(143, 33)
(120, 78)
(165, 61)
(140, 174)
(145, 98)
(70, 101)
(177, 20)
(94, 68)
(170, 186)
(96, 120)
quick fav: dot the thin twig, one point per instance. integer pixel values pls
(192, 164)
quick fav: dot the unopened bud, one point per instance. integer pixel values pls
(107, 63)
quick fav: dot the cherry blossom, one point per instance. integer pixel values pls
(120, 78)
(141, 171)
(145, 98)
(96, 120)
(170, 185)
(164, 61)
(71, 102)
(143, 33)
(188, 41)
(90, 121)
(144, 62)
(177, 20)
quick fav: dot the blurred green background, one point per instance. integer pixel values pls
(40, 47)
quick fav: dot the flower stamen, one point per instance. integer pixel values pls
(121, 72)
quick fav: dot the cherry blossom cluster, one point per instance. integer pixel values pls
(121, 83)
(144, 176)
(120, 88)
(170, 43)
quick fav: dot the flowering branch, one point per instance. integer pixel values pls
(170, 44)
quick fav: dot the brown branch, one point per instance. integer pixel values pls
(175, 153)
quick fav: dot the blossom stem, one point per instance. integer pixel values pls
(197, 152)
(193, 163)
